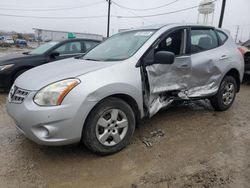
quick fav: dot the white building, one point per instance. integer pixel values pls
(48, 35)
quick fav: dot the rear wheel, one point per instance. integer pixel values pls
(224, 99)
(109, 127)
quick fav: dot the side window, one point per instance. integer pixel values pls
(222, 37)
(203, 39)
(174, 42)
(69, 48)
(89, 45)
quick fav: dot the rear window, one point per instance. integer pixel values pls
(222, 37)
(203, 39)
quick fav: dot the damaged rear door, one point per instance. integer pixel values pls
(208, 62)
(166, 80)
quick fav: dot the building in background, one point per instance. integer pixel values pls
(48, 35)
(206, 12)
(122, 30)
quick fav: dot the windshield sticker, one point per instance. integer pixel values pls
(144, 33)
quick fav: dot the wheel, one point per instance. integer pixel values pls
(109, 127)
(18, 74)
(224, 99)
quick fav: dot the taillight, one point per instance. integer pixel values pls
(242, 50)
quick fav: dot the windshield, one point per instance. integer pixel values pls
(43, 48)
(120, 46)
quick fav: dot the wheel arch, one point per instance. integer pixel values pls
(236, 75)
(126, 98)
(132, 103)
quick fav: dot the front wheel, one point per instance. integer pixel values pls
(224, 99)
(109, 127)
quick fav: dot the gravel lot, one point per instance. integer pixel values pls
(184, 146)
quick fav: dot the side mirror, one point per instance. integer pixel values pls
(164, 57)
(54, 54)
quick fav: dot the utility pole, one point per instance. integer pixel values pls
(222, 13)
(109, 5)
(237, 32)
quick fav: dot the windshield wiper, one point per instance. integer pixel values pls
(26, 53)
(89, 59)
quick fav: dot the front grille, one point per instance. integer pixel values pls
(17, 95)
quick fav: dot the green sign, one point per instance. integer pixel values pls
(71, 36)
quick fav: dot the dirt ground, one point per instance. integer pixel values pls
(185, 146)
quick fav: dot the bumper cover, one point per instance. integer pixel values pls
(57, 125)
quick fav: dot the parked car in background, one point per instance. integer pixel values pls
(9, 40)
(245, 50)
(13, 65)
(21, 42)
(99, 98)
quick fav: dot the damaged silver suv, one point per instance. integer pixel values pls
(98, 99)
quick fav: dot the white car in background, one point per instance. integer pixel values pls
(9, 40)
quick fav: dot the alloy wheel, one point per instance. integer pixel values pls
(228, 94)
(111, 127)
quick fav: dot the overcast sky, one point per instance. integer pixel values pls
(237, 13)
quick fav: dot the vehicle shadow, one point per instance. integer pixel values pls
(4, 91)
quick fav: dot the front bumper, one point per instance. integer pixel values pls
(57, 125)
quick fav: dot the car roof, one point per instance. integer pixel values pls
(171, 25)
(75, 39)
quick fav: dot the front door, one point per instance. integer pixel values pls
(168, 80)
(68, 50)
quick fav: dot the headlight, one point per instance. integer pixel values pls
(53, 94)
(5, 67)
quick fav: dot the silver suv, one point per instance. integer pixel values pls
(99, 98)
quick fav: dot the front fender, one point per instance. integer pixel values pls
(114, 89)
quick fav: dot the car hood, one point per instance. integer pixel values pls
(41, 76)
(13, 58)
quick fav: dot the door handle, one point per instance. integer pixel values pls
(224, 57)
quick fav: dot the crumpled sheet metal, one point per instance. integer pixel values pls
(196, 80)
(157, 103)
(165, 78)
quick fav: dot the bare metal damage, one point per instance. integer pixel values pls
(184, 79)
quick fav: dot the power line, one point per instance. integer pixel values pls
(242, 25)
(102, 16)
(133, 13)
(53, 9)
(146, 9)
(46, 17)
(166, 13)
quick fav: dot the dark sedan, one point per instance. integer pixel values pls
(12, 66)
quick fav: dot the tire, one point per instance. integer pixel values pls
(106, 123)
(224, 99)
(18, 74)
